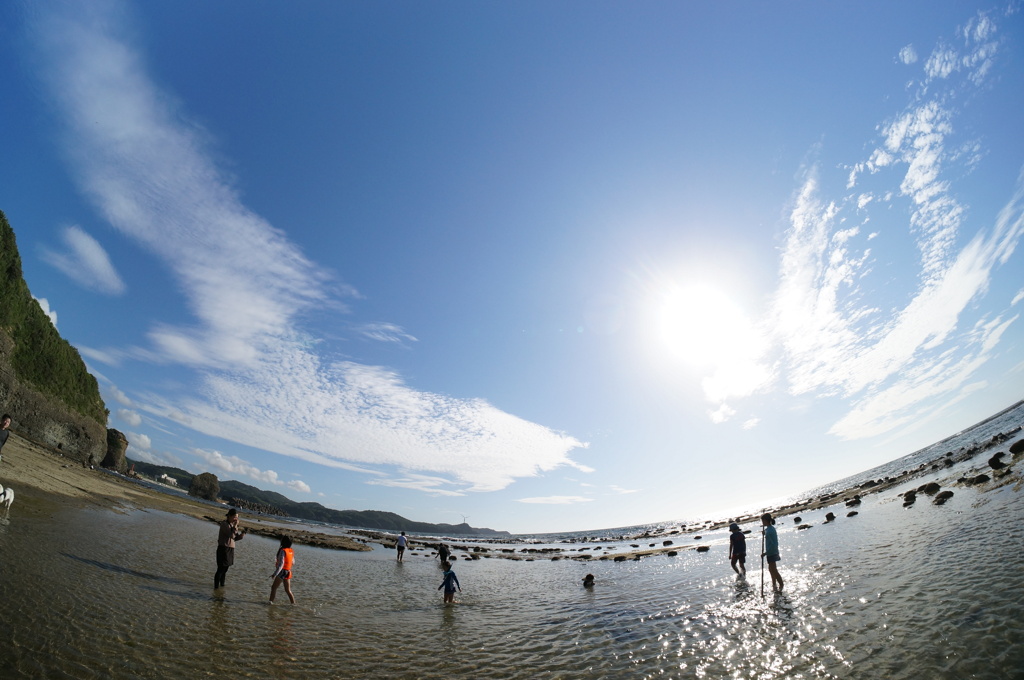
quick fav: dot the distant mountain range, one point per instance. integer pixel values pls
(364, 519)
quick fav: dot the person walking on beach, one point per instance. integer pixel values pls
(443, 552)
(450, 583)
(771, 550)
(283, 572)
(5, 423)
(229, 533)
(402, 542)
(737, 550)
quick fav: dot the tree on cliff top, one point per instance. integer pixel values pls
(41, 357)
(205, 485)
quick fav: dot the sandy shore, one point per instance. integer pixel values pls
(44, 479)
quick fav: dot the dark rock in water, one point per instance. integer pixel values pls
(796, 520)
(853, 502)
(932, 488)
(1017, 447)
(852, 513)
(868, 484)
(830, 517)
(634, 545)
(620, 558)
(995, 463)
(671, 553)
(703, 548)
(666, 542)
(803, 526)
(943, 497)
(980, 479)
(696, 538)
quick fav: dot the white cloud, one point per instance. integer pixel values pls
(263, 382)
(385, 332)
(108, 357)
(908, 55)
(85, 262)
(236, 466)
(140, 441)
(893, 360)
(44, 304)
(129, 416)
(556, 500)
(1018, 297)
(426, 483)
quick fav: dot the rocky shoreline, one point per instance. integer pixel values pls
(42, 475)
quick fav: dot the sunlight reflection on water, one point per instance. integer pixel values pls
(894, 592)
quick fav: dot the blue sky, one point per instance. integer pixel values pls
(544, 266)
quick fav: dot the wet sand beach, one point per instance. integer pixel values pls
(108, 579)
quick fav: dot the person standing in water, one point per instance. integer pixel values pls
(229, 533)
(737, 549)
(283, 573)
(450, 583)
(771, 550)
(402, 542)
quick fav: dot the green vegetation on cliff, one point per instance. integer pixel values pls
(41, 357)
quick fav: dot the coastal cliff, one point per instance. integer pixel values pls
(44, 384)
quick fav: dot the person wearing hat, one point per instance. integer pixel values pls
(737, 549)
(229, 533)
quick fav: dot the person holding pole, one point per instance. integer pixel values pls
(770, 549)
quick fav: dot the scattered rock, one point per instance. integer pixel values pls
(672, 553)
(931, 489)
(852, 513)
(620, 558)
(666, 542)
(804, 526)
(830, 517)
(796, 520)
(995, 461)
(853, 502)
(1017, 447)
(943, 497)
(696, 538)
(703, 548)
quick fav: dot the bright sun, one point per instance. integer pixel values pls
(701, 326)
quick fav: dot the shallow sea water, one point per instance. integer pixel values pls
(920, 592)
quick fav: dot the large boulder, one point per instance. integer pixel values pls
(117, 444)
(205, 485)
(1017, 447)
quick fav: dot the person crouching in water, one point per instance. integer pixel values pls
(737, 549)
(450, 583)
(771, 550)
(283, 573)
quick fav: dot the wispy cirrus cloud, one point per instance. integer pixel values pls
(556, 500)
(386, 332)
(261, 379)
(839, 325)
(85, 262)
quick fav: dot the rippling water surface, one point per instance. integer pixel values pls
(921, 592)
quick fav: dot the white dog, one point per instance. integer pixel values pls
(6, 498)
